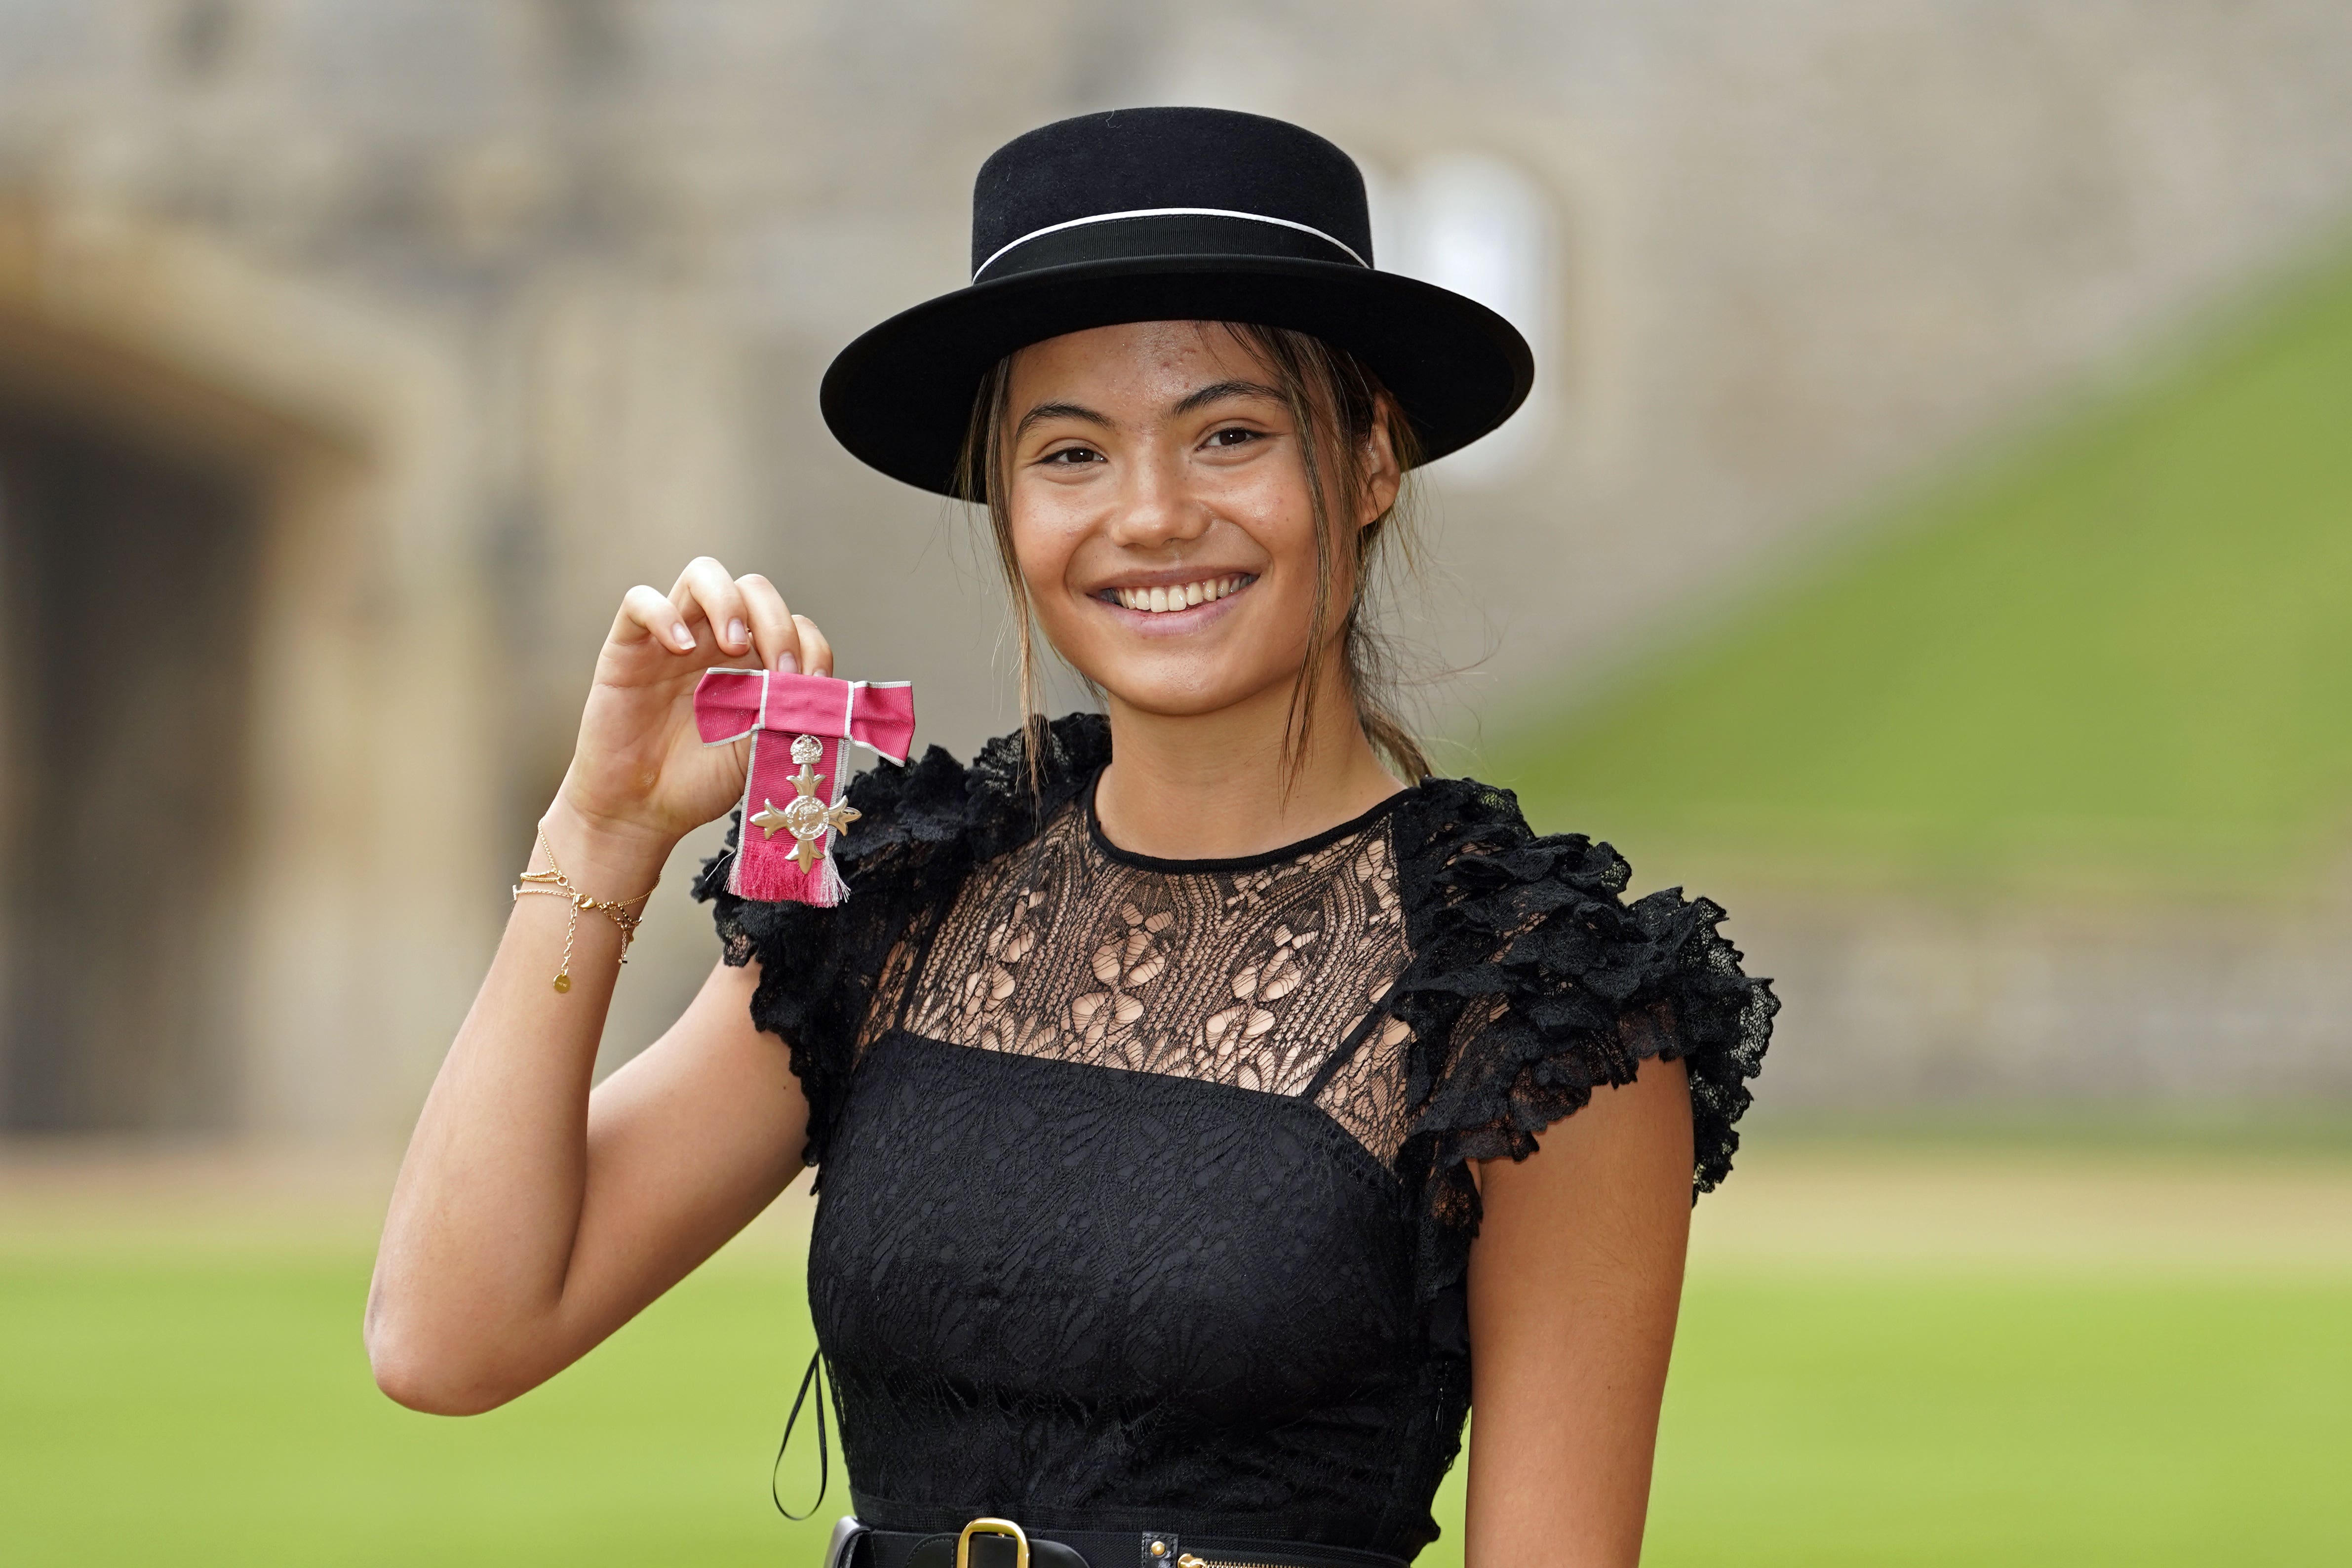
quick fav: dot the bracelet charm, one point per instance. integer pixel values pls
(555, 884)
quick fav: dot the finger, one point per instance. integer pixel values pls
(817, 653)
(647, 613)
(706, 593)
(774, 629)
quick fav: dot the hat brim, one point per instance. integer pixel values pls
(900, 397)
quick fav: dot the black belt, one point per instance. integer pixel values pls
(1001, 1543)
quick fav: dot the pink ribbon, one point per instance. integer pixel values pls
(785, 850)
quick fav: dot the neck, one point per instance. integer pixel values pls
(1210, 786)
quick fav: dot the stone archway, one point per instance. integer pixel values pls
(245, 789)
(128, 579)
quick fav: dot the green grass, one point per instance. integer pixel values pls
(200, 1410)
(1987, 1420)
(196, 1408)
(2118, 654)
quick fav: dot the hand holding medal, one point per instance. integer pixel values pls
(648, 769)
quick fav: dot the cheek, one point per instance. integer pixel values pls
(1270, 502)
(1284, 529)
(1042, 545)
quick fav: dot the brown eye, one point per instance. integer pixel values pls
(1073, 456)
(1235, 436)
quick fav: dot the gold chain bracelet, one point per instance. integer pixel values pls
(555, 884)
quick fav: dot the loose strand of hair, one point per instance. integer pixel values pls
(1292, 358)
(983, 478)
(1323, 384)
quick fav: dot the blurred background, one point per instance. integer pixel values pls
(1931, 536)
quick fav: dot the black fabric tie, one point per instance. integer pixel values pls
(812, 1378)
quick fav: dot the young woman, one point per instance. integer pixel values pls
(1175, 1074)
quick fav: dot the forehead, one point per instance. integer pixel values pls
(1136, 365)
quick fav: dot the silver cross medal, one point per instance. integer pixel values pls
(807, 816)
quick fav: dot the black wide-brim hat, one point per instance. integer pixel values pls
(1152, 214)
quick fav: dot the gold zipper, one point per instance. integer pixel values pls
(1189, 1561)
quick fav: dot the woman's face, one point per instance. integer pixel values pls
(1161, 516)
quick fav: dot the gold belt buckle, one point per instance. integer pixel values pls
(993, 1527)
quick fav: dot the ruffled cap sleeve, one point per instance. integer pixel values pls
(1534, 982)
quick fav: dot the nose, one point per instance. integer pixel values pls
(1156, 508)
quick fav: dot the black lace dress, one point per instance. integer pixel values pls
(1143, 1197)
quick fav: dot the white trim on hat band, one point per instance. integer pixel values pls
(1169, 212)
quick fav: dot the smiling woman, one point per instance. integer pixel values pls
(1177, 1073)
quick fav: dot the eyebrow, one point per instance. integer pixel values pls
(1045, 411)
(1217, 392)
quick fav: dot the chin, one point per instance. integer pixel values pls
(1171, 705)
(1179, 698)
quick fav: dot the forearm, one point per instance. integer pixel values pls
(1575, 1281)
(484, 1223)
(1566, 1480)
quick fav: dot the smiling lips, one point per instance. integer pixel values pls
(1182, 596)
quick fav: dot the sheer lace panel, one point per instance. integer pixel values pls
(889, 991)
(1366, 1094)
(1249, 973)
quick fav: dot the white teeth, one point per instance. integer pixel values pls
(1160, 601)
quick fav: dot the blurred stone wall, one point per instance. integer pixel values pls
(2206, 1012)
(506, 304)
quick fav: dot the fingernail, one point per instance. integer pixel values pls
(682, 637)
(788, 662)
(735, 634)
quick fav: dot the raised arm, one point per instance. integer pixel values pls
(532, 1216)
(1575, 1279)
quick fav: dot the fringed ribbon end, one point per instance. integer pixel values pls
(830, 889)
(777, 879)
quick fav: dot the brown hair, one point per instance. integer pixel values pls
(1337, 403)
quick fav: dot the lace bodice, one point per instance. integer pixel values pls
(1143, 1192)
(1262, 974)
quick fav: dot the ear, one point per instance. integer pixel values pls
(1384, 475)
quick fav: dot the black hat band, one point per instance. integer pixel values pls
(1165, 231)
